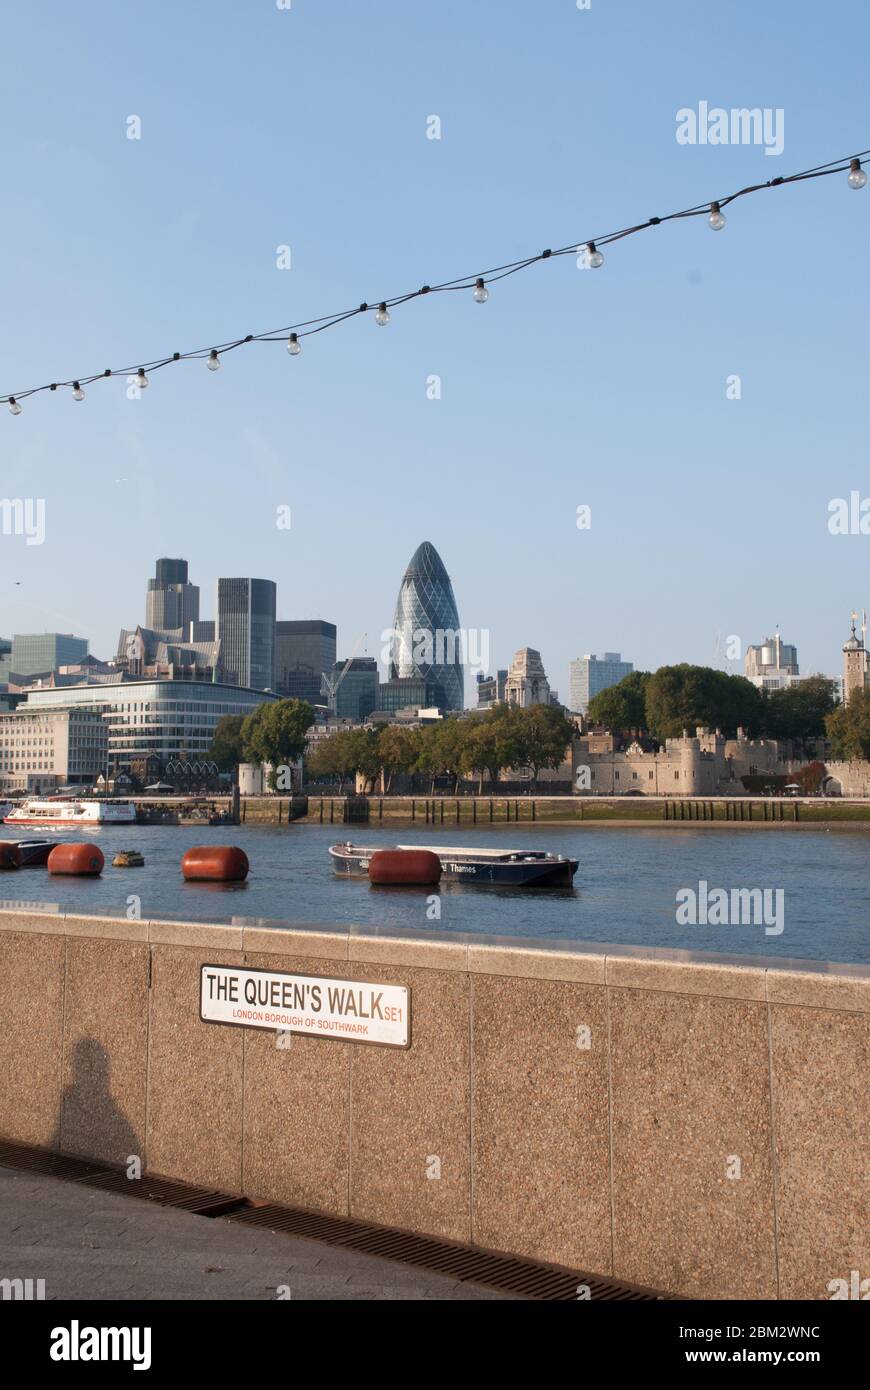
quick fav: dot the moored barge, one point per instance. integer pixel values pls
(514, 868)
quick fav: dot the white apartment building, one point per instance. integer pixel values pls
(591, 674)
(772, 665)
(42, 750)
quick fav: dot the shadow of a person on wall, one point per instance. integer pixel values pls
(91, 1123)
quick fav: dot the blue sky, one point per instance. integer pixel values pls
(307, 127)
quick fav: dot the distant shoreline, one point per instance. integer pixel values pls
(505, 810)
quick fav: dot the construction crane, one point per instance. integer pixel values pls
(329, 684)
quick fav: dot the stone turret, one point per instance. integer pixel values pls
(690, 765)
(854, 664)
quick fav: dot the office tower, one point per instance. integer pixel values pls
(427, 641)
(246, 631)
(34, 653)
(590, 674)
(406, 692)
(171, 602)
(355, 688)
(152, 719)
(304, 654)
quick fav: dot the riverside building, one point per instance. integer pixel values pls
(41, 750)
(152, 722)
(704, 764)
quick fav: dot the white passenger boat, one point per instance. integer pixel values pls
(71, 811)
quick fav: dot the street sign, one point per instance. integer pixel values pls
(348, 1010)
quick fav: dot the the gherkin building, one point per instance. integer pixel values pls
(426, 640)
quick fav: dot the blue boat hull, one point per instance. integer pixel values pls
(523, 873)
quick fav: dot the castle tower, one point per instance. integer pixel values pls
(854, 663)
(690, 765)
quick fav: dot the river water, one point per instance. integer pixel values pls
(625, 889)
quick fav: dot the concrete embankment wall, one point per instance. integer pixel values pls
(693, 1123)
(469, 811)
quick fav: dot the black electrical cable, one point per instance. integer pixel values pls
(464, 282)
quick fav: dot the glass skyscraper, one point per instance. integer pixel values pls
(426, 640)
(355, 688)
(246, 631)
(35, 653)
(304, 653)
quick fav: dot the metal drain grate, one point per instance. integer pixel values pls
(197, 1201)
(40, 1161)
(506, 1273)
(166, 1191)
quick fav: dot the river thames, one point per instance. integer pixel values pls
(625, 890)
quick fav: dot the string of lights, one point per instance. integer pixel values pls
(588, 252)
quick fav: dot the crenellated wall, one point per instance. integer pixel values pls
(592, 1107)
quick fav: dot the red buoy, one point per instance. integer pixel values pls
(418, 866)
(10, 855)
(84, 860)
(215, 864)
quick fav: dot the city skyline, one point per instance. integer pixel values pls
(735, 661)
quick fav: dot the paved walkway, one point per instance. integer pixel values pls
(98, 1245)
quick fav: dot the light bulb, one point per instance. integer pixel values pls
(382, 315)
(594, 258)
(214, 362)
(78, 393)
(716, 218)
(141, 379)
(14, 406)
(857, 178)
(294, 347)
(481, 293)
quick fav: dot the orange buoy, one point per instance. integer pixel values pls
(84, 860)
(215, 864)
(396, 866)
(10, 855)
